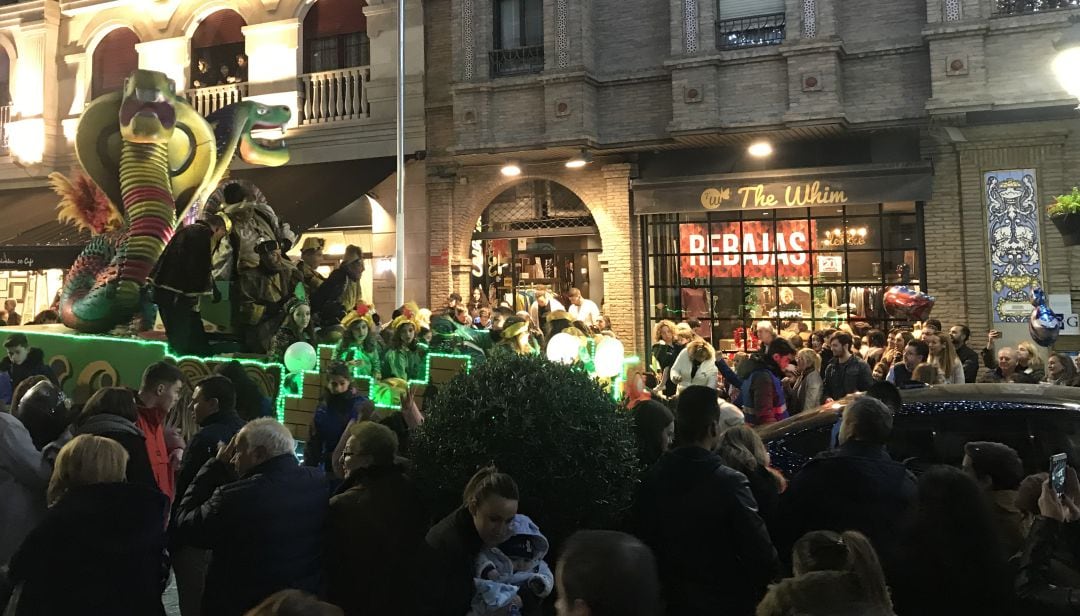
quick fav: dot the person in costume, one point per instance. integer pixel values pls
(449, 336)
(295, 328)
(404, 359)
(181, 276)
(310, 253)
(263, 290)
(327, 301)
(514, 339)
(358, 347)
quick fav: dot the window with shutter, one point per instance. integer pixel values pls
(114, 59)
(749, 23)
(518, 37)
(335, 36)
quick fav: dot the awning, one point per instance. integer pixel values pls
(34, 239)
(810, 187)
(305, 195)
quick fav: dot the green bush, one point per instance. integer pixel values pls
(551, 427)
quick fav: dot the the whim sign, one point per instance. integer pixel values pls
(773, 196)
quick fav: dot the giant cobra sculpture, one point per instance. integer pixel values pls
(149, 157)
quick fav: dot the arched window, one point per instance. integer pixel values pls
(114, 59)
(335, 36)
(217, 51)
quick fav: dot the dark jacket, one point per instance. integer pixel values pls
(856, 487)
(265, 530)
(375, 544)
(99, 550)
(33, 365)
(130, 437)
(213, 430)
(846, 378)
(970, 361)
(701, 521)
(326, 305)
(455, 546)
(185, 265)
(331, 416)
(821, 593)
(1036, 591)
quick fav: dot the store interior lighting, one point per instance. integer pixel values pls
(580, 160)
(760, 149)
(511, 169)
(856, 236)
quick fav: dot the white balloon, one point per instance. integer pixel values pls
(609, 358)
(563, 348)
(300, 356)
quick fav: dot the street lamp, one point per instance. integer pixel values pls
(1066, 63)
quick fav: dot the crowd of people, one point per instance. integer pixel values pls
(793, 372)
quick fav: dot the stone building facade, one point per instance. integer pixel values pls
(665, 96)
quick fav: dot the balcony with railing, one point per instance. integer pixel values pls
(1003, 8)
(332, 96)
(208, 100)
(753, 31)
(517, 61)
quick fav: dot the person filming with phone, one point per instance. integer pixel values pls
(1057, 526)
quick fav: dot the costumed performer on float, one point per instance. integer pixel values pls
(263, 293)
(358, 347)
(295, 328)
(404, 359)
(514, 339)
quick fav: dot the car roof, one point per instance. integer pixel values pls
(988, 395)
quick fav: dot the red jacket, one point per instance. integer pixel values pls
(152, 423)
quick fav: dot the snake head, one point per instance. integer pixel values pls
(268, 147)
(147, 110)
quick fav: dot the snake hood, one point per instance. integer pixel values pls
(234, 125)
(147, 114)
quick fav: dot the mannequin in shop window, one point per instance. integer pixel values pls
(404, 359)
(358, 348)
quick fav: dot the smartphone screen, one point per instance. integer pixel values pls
(1057, 473)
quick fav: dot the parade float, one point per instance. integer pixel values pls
(150, 164)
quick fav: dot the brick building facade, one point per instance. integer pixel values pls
(673, 91)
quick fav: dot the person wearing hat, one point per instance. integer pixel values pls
(514, 573)
(183, 274)
(295, 328)
(404, 359)
(513, 339)
(263, 293)
(375, 529)
(311, 252)
(358, 347)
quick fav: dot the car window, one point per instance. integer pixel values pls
(1055, 432)
(954, 429)
(913, 440)
(792, 451)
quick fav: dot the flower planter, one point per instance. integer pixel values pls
(1069, 227)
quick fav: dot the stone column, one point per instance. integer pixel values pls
(273, 51)
(171, 56)
(621, 257)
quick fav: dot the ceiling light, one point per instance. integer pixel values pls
(760, 149)
(580, 160)
(511, 169)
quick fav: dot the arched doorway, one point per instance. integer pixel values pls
(335, 36)
(114, 59)
(217, 51)
(536, 235)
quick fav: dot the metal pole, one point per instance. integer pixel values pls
(399, 220)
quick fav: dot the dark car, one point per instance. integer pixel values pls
(1035, 420)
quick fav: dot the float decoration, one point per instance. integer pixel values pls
(902, 302)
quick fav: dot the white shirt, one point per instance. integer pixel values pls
(588, 313)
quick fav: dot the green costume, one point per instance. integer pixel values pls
(403, 363)
(355, 355)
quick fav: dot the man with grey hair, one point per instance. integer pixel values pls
(855, 487)
(261, 514)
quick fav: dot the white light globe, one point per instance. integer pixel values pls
(563, 348)
(300, 356)
(1066, 67)
(609, 358)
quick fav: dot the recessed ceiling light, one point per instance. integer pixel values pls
(511, 169)
(760, 149)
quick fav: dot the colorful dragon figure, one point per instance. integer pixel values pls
(153, 156)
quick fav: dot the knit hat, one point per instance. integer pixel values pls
(375, 440)
(518, 546)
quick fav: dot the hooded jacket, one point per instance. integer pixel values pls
(686, 373)
(99, 550)
(33, 365)
(701, 521)
(762, 392)
(130, 437)
(490, 596)
(24, 477)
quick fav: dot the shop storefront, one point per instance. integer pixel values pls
(803, 248)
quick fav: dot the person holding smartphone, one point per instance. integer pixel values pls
(1058, 522)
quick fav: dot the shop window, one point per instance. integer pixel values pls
(335, 36)
(114, 59)
(217, 51)
(806, 270)
(749, 23)
(518, 37)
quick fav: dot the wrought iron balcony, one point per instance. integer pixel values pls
(753, 31)
(517, 61)
(1026, 7)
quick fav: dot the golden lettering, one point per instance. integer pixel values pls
(712, 198)
(813, 194)
(758, 195)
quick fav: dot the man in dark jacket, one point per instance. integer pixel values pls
(700, 519)
(968, 357)
(763, 401)
(856, 487)
(22, 361)
(326, 302)
(262, 516)
(214, 406)
(182, 275)
(375, 529)
(847, 373)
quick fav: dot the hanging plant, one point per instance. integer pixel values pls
(1064, 212)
